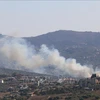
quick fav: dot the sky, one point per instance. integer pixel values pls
(33, 18)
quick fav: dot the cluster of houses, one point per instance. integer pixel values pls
(67, 80)
(19, 83)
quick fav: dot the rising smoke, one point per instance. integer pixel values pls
(18, 51)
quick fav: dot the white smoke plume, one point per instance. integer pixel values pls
(25, 55)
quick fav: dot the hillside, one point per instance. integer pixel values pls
(6, 71)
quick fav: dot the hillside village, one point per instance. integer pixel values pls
(26, 87)
(49, 50)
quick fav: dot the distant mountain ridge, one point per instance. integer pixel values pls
(70, 37)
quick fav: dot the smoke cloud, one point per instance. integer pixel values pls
(23, 54)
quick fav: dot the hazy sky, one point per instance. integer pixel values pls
(31, 18)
